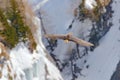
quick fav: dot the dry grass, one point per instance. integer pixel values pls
(104, 2)
(95, 13)
(28, 14)
(76, 12)
(7, 57)
(28, 17)
(4, 52)
(4, 4)
(0, 74)
(1, 26)
(24, 10)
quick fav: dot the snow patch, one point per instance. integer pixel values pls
(0, 50)
(90, 4)
(22, 55)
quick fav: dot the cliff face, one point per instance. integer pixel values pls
(24, 57)
(76, 62)
(22, 53)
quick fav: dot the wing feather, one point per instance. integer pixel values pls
(69, 37)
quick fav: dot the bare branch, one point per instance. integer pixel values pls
(69, 37)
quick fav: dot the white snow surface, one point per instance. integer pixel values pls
(31, 66)
(0, 50)
(104, 59)
(58, 15)
(55, 10)
(22, 55)
(90, 4)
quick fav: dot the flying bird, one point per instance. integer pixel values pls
(69, 37)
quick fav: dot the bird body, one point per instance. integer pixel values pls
(69, 37)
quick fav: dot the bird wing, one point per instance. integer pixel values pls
(80, 41)
(69, 37)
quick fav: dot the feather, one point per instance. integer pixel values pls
(69, 37)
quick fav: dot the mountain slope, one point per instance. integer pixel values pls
(22, 62)
(98, 64)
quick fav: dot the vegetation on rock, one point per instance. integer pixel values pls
(15, 29)
(95, 13)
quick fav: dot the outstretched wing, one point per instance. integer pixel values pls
(80, 41)
(69, 37)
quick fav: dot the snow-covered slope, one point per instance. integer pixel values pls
(104, 59)
(30, 66)
(20, 63)
(99, 64)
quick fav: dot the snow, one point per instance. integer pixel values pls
(27, 65)
(40, 4)
(54, 11)
(36, 78)
(53, 72)
(104, 59)
(90, 4)
(34, 64)
(43, 62)
(22, 55)
(0, 50)
(3, 78)
(58, 15)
